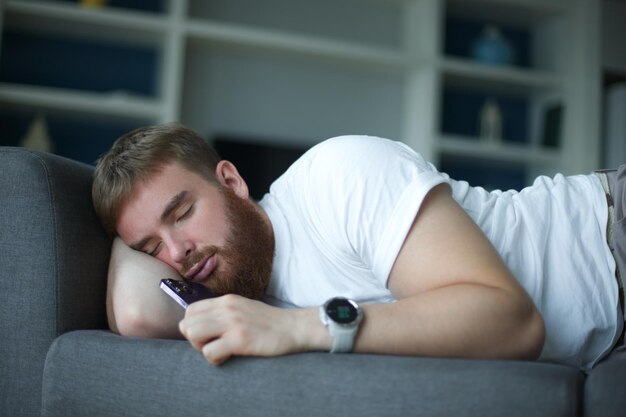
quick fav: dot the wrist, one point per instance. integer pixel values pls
(310, 334)
(342, 317)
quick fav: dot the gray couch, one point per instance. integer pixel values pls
(57, 357)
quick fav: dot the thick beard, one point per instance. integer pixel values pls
(248, 253)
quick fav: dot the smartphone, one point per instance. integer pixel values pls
(185, 293)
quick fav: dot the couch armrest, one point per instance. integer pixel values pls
(53, 266)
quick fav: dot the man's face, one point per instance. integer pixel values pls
(209, 234)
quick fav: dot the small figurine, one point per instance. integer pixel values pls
(491, 121)
(37, 136)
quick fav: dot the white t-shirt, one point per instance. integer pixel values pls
(341, 213)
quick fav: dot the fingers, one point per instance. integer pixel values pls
(215, 327)
(201, 323)
(213, 355)
(232, 325)
(217, 351)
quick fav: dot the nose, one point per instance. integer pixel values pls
(179, 248)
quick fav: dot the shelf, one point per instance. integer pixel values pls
(503, 152)
(71, 19)
(117, 105)
(271, 39)
(499, 78)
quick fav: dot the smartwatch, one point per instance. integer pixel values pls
(342, 318)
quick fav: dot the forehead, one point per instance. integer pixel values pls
(150, 196)
(164, 180)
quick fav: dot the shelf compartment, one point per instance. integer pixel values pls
(461, 114)
(518, 13)
(117, 105)
(488, 174)
(474, 148)
(270, 39)
(64, 18)
(82, 138)
(533, 29)
(74, 64)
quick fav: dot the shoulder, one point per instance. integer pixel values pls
(370, 154)
(354, 146)
(344, 163)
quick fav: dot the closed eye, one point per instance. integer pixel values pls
(186, 214)
(156, 250)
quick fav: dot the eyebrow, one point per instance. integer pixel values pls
(171, 206)
(174, 203)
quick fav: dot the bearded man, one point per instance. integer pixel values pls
(360, 246)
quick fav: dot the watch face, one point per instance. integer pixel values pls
(341, 311)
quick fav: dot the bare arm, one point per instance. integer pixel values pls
(136, 306)
(456, 298)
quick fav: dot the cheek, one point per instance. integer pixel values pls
(208, 229)
(164, 257)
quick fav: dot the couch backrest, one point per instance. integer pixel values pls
(53, 266)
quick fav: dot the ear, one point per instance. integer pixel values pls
(227, 175)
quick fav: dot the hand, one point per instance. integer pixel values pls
(233, 325)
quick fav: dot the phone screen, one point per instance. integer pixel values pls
(184, 292)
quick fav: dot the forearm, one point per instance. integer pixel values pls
(463, 320)
(143, 314)
(136, 306)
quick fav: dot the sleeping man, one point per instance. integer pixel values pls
(362, 246)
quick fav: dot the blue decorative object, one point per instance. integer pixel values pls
(492, 48)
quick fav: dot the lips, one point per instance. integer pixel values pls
(202, 269)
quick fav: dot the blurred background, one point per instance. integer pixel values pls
(491, 91)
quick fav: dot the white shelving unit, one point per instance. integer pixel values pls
(298, 71)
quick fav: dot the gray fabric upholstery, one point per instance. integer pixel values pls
(96, 373)
(53, 267)
(54, 257)
(605, 388)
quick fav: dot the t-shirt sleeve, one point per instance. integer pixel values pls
(362, 195)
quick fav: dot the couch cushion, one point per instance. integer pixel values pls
(97, 373)
(605, 389)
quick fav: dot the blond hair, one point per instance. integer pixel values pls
(141, 153)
